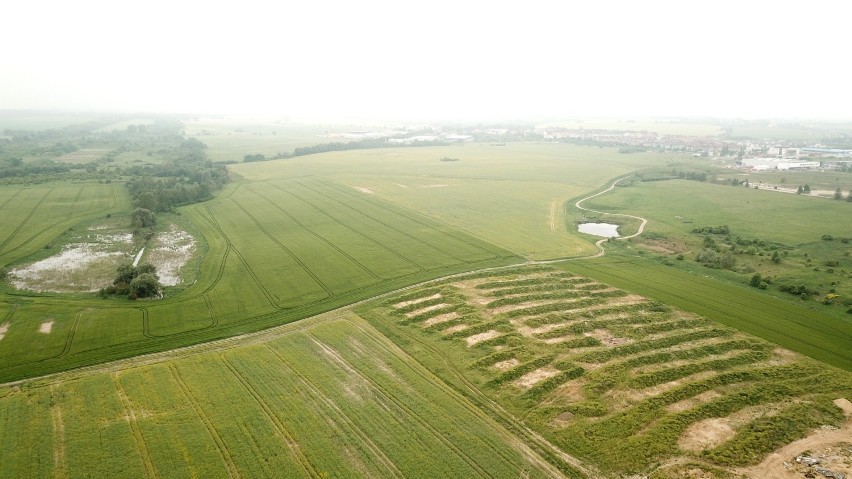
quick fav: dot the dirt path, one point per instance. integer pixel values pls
(773, 467)
(600, 243)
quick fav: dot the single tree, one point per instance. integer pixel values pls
(807, 189)
(800, 190)
(837, 194)
(145, 285)
(142, 218)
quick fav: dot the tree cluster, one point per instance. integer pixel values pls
(135, 282)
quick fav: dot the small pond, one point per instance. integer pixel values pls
(605, 230)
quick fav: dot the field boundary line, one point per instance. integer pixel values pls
(233, 471)
(141, 447)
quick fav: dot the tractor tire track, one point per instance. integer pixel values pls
(231, 467)
(291, 442)
(141, 447)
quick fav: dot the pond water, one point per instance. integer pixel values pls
(604, 230)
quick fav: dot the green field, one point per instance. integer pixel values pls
(615, 379)
(533, 371)
(331, 398)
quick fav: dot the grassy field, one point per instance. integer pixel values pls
(34, 215)
(490, 192)
(330, 398)
(277, 251)
(620, 381)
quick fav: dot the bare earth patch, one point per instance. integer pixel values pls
(706, 434)
(169, 252)
(65, 272)
(441, 318)
(364, 190)
(425, 310)
(634, 395)
(530, 379)
(46, 327)
(415, 301)
(690, 403)
(3, 330)
(607, 338)
(845, 405)
(478, 338)
(506, 365)
(455, 329)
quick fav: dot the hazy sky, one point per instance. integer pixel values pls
(439, 59)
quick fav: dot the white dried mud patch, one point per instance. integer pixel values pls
(169, 252)
(46, 327)
(65, 272)
(89, 264)
(364, 190)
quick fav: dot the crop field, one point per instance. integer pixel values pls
(614, 379)
(490, 192)
(277, 251)
(35, 215)
(329, 398)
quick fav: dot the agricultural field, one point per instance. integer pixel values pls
(627, 384)
(328, 398)
(490, 191)
(274, 252)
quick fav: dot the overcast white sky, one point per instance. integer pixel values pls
(438, 59)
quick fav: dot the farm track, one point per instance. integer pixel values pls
(386, 225)
(74, 203)
(141, 447)
(347, 366)
(22, 223)
(328, 291)
(231, 467)
(58, 437)
(420, 269)
(320, 398)
(319, 237)
(287, 437)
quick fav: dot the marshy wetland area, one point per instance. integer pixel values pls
(261, 297)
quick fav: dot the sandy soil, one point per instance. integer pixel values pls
(506, 365)
(415, 301)
(46, 327)
(441, 318)
(534, 377)
(455, 329)
(426, 309)
(706, 434)
(478, 338)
